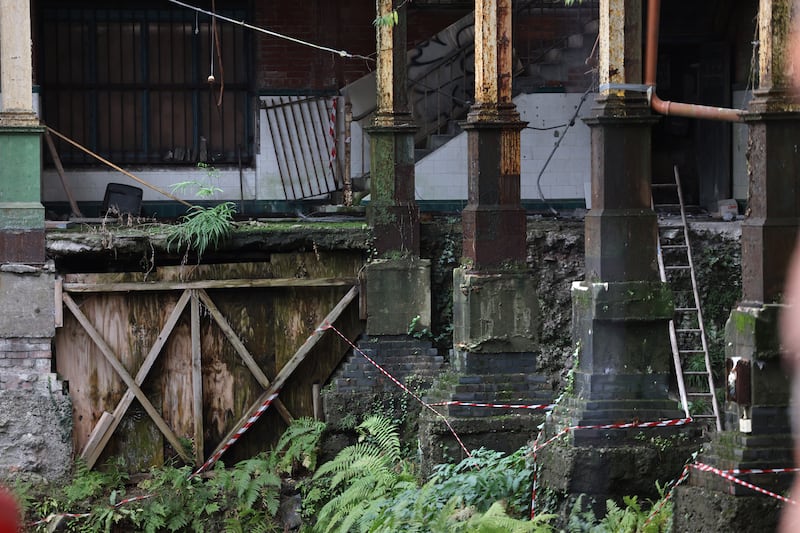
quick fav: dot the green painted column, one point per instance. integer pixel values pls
(21, 211)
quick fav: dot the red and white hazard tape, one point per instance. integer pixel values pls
(405, 389)
(247, 425)
(332, 129)
(742, 471)
(120, 503)
(683, 477)
(707, 468)
(542, 407)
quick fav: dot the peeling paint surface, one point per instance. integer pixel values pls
(486, 51)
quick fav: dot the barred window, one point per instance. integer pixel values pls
(131, 84)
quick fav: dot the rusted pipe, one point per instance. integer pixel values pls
(665, 107)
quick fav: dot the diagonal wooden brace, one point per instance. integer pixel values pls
(133, 385)
(242, 351)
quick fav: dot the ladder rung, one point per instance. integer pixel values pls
(677, 267)
(672, 246)
(685, 309)
(695, 373)
(704, 416)
(691, 351)
(667, 206)
(699, 394)
(671, 185)
(687, 330)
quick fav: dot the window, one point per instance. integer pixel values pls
(131, 84)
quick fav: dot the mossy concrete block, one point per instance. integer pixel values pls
(697, 509)
(624, 301)
(495, 312)
(752, 332)
(397, 291)
(622, 331)
(28, 304)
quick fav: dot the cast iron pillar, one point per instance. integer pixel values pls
(393, 212)
(397, 292)
(493, 221)
(621, 310)
(757, 432)
(21, 211)
(495, 305)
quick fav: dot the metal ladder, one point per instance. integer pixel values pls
(686, 331)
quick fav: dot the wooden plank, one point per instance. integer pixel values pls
(207, 284)
(197, 380)
(73, 205)
(292, 364)
(100, 429)
(58, 311)
(91, 454)
(111, 357)
(240, 348)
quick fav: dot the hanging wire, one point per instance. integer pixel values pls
(753, 74)
(555, 147)
(342, 53)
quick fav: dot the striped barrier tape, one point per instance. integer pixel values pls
(120, 503)
(247, 425)
(683, 477)
(405, 389)
(742, 471)
(707, 468)
(332, 129)
(542, 407)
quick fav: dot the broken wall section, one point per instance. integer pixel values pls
(35, 413)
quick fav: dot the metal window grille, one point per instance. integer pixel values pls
(132, 85)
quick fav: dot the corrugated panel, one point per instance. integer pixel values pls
(303, 133)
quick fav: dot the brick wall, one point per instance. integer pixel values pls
(24, 362)
(284, 65)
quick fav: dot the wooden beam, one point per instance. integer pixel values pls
(101, 429)
(291, 364)
(240, 348)
(197, 380)
(73, 205)
(133, 387)
(91, 454)
(58, 310)
(207, 284)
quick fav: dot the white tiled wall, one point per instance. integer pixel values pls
(90, 185)
(443, 174)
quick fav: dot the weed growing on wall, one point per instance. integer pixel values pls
(202, 226)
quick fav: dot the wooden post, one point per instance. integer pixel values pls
(197, 380)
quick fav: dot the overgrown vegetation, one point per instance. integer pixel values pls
(202, 226)
(369, 486)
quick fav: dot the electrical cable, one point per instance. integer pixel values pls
(341, 53)
(555, 147)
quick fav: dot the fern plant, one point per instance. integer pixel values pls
(362, 475)
(298, 446)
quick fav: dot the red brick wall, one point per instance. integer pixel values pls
(347, 25)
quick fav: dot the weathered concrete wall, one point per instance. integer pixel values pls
(35, 413)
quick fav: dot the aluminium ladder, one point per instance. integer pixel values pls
(686, 331)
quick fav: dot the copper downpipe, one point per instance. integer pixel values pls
(675, 108)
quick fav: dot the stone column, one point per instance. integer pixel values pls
(39, 443)
(393, 212)
(757, 432)
(495, 305)
(622, 309)
(21, 211)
